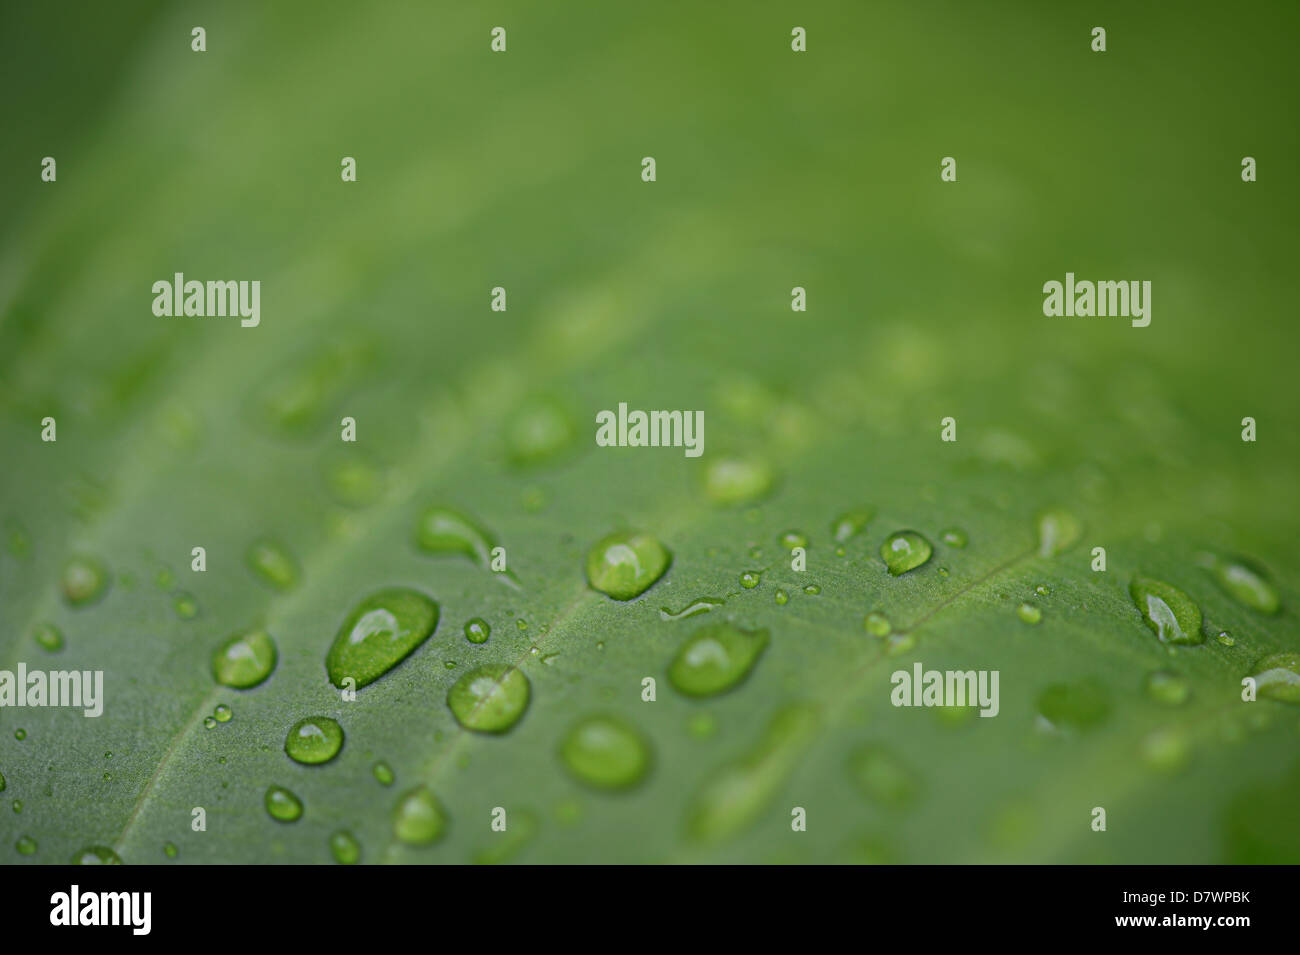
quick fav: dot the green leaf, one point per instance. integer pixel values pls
(475, 429)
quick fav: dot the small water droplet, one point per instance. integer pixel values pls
(379, 633)
(903, 551)
(1169, 612)
(792, 539)
(750, 579)
(222, 713)
(625, 564)
(272, 563)
(170, 850)
(477, 630)
(48, 637)
(882, 777)
(877, 624)
(1057, 532)
(244, 660)
(715, 659)
(26, 846)
(314, 740)
(812, 589)
(539, 432)
(521, 623)
(282, 805)
(733, 480)
(1166, 750)
(605, 752)
(954, 537)
(1278, 676)
(490, 698)
(851, 523)
(943, 571)
(84, 581)
(702, 725)
(1029, 613)
(418, 818)
(1227, 639)
(344, 848)
(1246, 583)
(384, 773)
(96, 855)
(1167, 687)
(20, 734)
(164, 579)
(1042, 590)
(697, 606)
(2, 782)
(782, 598)
(209, 722)
(185, 605)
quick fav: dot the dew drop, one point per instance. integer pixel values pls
(750, 579)
(1057, 532)
(731, 480)
(904, 551)
(954, 537)
(1167, 688)
(20, 734)
(379, 633)
(1028, 613)
(1169, 612)
(84, 581)
(1278, 676)
(170, 850)
(96, 855)
(812, 589)
(851, 523)
(185, 605)
(314, 740)
(490, 698)
(383, 773)
(272, 563)
(1042, 590)
(1226, 639)
(26, 846)
(444, 531)
(605, 752)
(222, 713)
(792, 539)
(477, 630)
(697, 606)
(539, 433)
(1246, 583)
(877, 624)
(623, 565)
(782, 598)
(209, 722)
(418, 818)
(48, 637)
(715, 659)
(344, 848)
(282, 805)
(245, 659)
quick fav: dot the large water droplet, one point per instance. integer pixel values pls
(344, 848)
(314, 740)
(282, 805)
(851, 523)
(1057, 532)
(605, 752)
(477, 630)
(379, 633)
(1169, 612)
(84, 581)
(272, 563)
(1246, 583)
(96, 855)
(1278, 676)
(904, 551)
(715, 659)
(244, 660)
(1028, 613)
(732, 480)
(419, 819)
(489, 698)
(697, 606)
(625, 564)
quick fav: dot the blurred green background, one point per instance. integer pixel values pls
(522, 170)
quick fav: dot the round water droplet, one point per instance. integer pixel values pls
(244, 660)
(1167, 688)
(792, 539)
(96, 855)
(1029, 613)
(26, 846)
(210, 722)
(272, 563)
(750, 579)
(1042, 590)
(170, 850)
(20, 734)
(344, 848)
(782, 598)
(383, 772)
(625, 564)
(605, 752)
(379, 633)
(84, 581)
(539, 432)
(1057, 532)
(314, 740)
(489, 698)
(715, 659)
(1278, 676)
(850, 524)
(882, 777)
(730, 480)
(877, 624)
(1247, 584)
(48, 637)
(1169, 612)
(904, 551)
(954, 537)
(185, 605)
(419, 819)
(282, 805)
(222, 713)
(477, 630)
(1083, 706)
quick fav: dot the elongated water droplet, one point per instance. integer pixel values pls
(489, 698)
(1169, 612)
(344, 848)
(1278, 676)
(1167, 688)
(954, 537)
(812, 589)
(384, 773)
(1057, 532)
(419, 819)
(282, 805)
(84, 581)
(96, 855)
(605, 752)
(1083, 705)
(904, 551)
(477, 630)
(697, 606)
(444, 531)
(379, 633)
(272, 563)
(882, 777)
(792, 539)
(48, 637)
(244, 660)
(539, 432)
(877, 624)
(715, 659)
(314, 740)
(625, 564)
(1029, 613)
(1246, 583)
(731, 480)
(851, 523)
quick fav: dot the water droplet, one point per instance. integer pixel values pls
(1169, 612)
(782, 598)
(26, 846)
(943, 571)
(2, 782)
(1167, 688)
(539, 432)
(344, 848)
(1029, 613)
(605, 752)
(750, 579)
(384, 773)
(792, 539)
(904, 551)
(209, 722)
(245, 659)
(1042, 590)
(489, 698)
(812, 589)
(222, 713)
(715, 659)
(702, 725)
(1278, 676)
(877, 624)
(1166, 750)
(273, 564)
(84, 581)
(20, 734)
(419, 819)
(1083, 706)
(314, 740)
(697, 606)
(379, 633)
(521, 624)
(954, 537)
(186, 607)
(731, 480)
(1226, 639)
(282, 805)
(477, 630)
(170, 850)
(1246, 583)
(625, 564)
(48, 637)
(851, 523)
(444, 531)
(882, 777)
(1057, 532)
(96, 855)
(18, 805)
